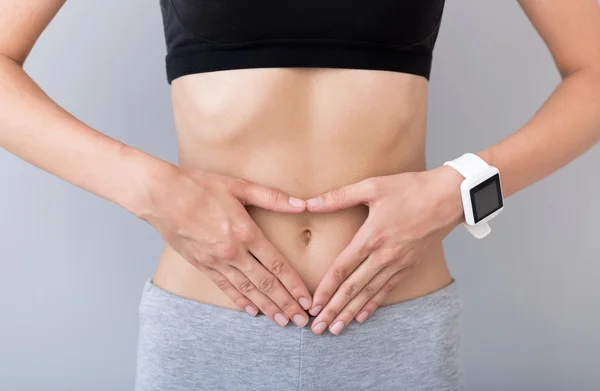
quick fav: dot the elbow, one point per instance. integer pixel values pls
(592, 82)
(590, 77)
(19, 61)
(590, 68)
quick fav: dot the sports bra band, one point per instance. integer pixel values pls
(214, 35)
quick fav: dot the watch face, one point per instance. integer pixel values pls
(486, 198)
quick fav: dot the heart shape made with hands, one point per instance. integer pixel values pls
(407, 212)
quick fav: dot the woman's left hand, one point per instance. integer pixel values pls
(407, 212)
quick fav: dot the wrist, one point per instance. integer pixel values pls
(146, 173)
(450, 204)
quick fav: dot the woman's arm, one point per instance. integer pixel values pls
(568, 123)
(410, 210)
(201, 215)
(35, 128)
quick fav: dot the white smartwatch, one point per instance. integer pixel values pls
(481, 192)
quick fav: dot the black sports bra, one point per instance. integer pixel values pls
(213, 35)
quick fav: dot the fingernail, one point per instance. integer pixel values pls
(362, 316)
(304, 302)
(317, 201)
(280, 319)
(300, 320)
(337, 327)
(314, 311)
(319, 328)
(251, 310)
(296, 202)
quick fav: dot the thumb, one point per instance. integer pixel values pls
(343, 197)
(268, 198)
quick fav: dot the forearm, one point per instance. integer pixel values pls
(36, 129)
(566, 125)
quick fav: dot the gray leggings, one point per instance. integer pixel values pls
(185, 345)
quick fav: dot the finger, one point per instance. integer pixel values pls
(348, 290)
(357, 303)
(266, 197)
(269, 285)
(344, 264)
(362, 192)
(241, 301)
(272, 259)
(367, 310)
(247, 288)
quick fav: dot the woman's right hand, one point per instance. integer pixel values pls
(201, 215)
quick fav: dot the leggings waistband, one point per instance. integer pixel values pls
(187, 345)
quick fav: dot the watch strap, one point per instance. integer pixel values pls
(480, 230)
(468, 165)
(472, 166)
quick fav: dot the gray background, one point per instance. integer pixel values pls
(73, 264)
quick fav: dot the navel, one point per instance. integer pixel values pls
(306, 235)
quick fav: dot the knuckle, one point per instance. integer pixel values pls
(374, 241)
(387, 288)
(222, 283)
(370, 243)
(193, 260)
(339, 274)
(404, 262)
(337, 196)
(237, 185)
(278, 267)
(412, 256)
(369, 290)
(266, 284)
(181, 229)
(350, 290)
(398, 277)
(240, 226)
(246, 286)
(246, 234)
(273, 195)
(373, 186)
(383, 262)
(386, 259)
(227, 250)
(245, 265)
(206, 261)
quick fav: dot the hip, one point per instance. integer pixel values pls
(187, 345)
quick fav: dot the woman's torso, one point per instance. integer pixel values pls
(304, 131)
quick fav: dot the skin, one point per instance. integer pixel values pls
(249, 139)
(398, 227)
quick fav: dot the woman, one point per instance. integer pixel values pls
(301, 191)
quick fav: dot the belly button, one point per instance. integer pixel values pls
(306, 234)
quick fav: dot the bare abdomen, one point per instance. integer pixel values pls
(304, 131)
